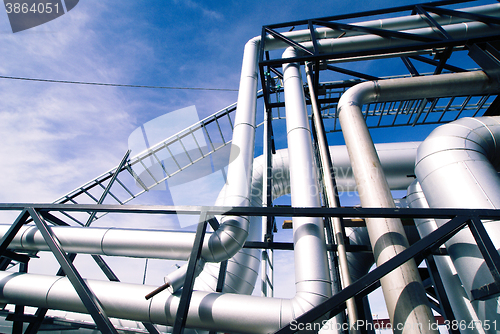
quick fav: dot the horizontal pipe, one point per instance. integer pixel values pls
(397, 159)
(211, 311)
(396, 23)
(457, 31)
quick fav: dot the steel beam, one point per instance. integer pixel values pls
(6, 255)
(86, 295)
(431, 22)
(14, 228)
(488, 250)
(436, 63)
(487, 57)
(494, 108)
(187, 289)
(409, 65)
(276, 211)
(105, 268)
(352, 73)
(438, 285)
(17, 326)
(288, 41)
(34, 326)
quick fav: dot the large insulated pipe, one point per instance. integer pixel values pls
(403, 291)
(457, 166)
(311, 272)
(460, 304)
(230, 237)
(332, 200)
(387, 235)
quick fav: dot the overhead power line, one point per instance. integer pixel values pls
(116, 85)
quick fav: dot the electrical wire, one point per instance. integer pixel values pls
(116, 85)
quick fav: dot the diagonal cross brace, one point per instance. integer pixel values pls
(363, 285)
(487, 248)
(11, 233)
(187, 289)
(86, 295)
(108, 187)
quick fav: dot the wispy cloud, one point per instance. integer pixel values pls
(208, 13)
(58, 136)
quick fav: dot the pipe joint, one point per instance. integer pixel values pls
(227, 240)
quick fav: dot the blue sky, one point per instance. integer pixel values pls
(56, 137)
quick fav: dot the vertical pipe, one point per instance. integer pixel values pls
(226, 241)
(311, 273)
(333, 201)
(403, 291)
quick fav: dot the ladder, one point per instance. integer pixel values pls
(124, 183)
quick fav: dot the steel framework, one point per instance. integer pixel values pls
(423, 249)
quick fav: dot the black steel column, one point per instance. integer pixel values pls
(187, 289)
(438, 285)
(17, 326)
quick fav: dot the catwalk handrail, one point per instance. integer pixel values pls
(277, 211)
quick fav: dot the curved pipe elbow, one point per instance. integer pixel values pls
(359, 95)
(470, 139)
(226, 241)
(461, 155)
(230, 237)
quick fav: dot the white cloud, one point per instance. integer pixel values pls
(208, 13)
(58, 136)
